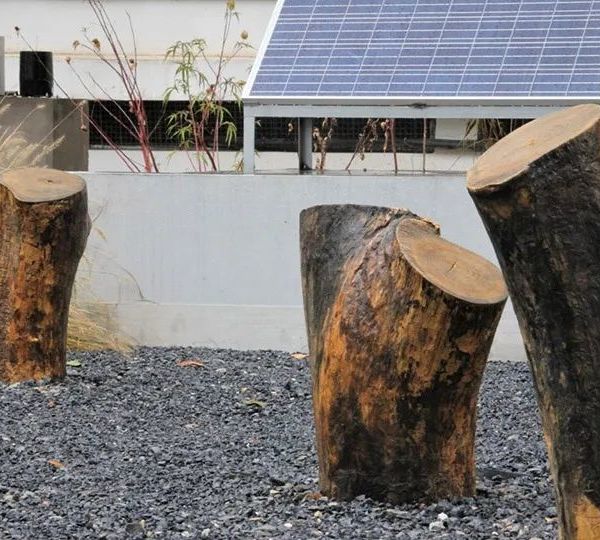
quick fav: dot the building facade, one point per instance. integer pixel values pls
(55, 25)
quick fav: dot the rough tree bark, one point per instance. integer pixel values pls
(400, 323)
(44, 226)
(538, 193)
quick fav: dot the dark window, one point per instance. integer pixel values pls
(272, 134)
(279, 134)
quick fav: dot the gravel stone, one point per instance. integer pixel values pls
(140, 447)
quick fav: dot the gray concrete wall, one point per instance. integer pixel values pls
(33, 118)
(214, 259)
(44, 121)
(71, 122)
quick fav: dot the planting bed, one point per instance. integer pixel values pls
(222, 447)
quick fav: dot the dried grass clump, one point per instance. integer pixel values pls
(488, 131)
(16, 151)
(90, 327)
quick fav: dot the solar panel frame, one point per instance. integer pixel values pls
(418, 99)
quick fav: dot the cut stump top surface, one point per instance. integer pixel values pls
(513, 154)
(35, 185)
(453, 269)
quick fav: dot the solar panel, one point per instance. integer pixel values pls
(396, 48)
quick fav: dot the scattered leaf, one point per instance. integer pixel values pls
(190, 362)
(312, 496)
(73, 363)
(136, 527)
(56, 464)
(255, 403)
(299, 356)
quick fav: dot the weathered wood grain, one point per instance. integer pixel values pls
(538, 193)
(400, 323)
(44, 226)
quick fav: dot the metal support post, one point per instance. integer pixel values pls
(305, 158)
(249, 142)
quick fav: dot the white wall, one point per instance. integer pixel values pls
(214, 259)
(449, 161)
(55, 24)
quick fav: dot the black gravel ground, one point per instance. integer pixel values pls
(144, 448)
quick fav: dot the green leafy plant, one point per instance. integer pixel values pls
(205, 85)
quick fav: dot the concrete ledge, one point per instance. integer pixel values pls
(252, 327)
(232, 327)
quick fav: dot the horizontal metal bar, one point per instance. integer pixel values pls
(402, 111)
(420, 101)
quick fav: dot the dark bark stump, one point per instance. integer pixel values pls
(400, 323)
(44, 226)
(538, 193)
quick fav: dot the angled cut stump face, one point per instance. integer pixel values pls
(44, 226)
(538, 194)
(400, 323)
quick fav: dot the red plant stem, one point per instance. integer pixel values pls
(131, 130)
(127, 72)
(195, 132)
(129, 163)
(203, 122)
(361, 141)
(424, 145)
(392, 128)
(218, 80)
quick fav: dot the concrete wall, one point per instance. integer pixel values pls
(214, 260)
(2, 76)
(71, 123)
(45, 121)
(448, 161)
(157, 23)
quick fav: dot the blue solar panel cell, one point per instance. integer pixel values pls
(432, 47)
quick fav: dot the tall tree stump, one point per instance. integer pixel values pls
(538, 193)
(44, 226)
(400, 323)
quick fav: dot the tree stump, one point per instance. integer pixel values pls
(400, 323)
(44, 226)
(538, 193)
